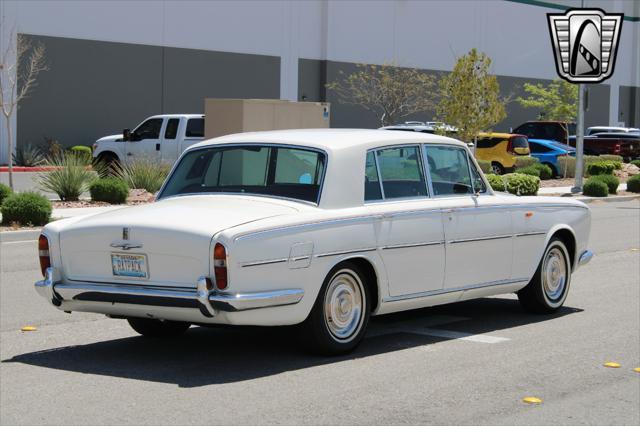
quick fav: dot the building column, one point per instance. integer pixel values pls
(289, 51)
(614, 104)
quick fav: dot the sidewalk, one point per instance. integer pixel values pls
(558, 190)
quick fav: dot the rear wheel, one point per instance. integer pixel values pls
(548, 289)
(156, 328)
(340, 315)
(497, 168)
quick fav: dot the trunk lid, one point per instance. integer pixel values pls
(173, 236)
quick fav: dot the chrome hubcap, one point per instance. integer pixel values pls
(343, 306)
(554, 274)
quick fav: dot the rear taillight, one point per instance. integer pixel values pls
(617, 148)
(43, 254)
(220, 266)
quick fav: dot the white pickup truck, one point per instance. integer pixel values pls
(161, 137)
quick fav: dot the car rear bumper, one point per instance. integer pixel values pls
(209, 303)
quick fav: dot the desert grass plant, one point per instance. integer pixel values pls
(70, 177)
(28, 156)
(144, 174)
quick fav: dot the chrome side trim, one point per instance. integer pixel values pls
(320, 223)
(529, 234)
(453, 290)
(339, 253)
(262, 262)
(469, 240)
(399, 246)
(230, 302)
(585, 257)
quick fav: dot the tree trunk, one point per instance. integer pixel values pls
(10, 144)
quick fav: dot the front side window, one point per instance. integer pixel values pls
(150, 129)
(253, 169)
(401, 172)
(449, 170)
(195, 128)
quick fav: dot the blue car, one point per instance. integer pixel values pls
(548, 151)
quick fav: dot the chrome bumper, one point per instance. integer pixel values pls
(585, 257)
(208, 302)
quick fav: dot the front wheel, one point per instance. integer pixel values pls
(156, 328)
(497, 168)
(548, 289)
(339, 317)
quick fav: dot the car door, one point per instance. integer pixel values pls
(477, 231)
(145, 141)
(410, 238)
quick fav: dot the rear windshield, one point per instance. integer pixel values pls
(520, 142)
(254, 169)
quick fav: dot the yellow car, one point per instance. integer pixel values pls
(501, 149)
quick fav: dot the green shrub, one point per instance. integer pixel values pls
(614, 158)
(594, 187)
(520, 184)
(531, 171)
(567, 164)
(143, 174)
(485, 165)
(83, 152)
(5, 191)
(611, 181)
(28, 156)
(496, 182)
(544, 171)
(70, 178)
(525, 161)
(600, 168)
(635, 163)
(111, 190)
(26, 208)
(633, 184)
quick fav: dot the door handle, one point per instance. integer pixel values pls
(157, 147)
(129, 154)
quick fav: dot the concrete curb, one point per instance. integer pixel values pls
(610, 199)
(12, 236)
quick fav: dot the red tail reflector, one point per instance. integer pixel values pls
(220, 266)
(43, 254)
(616, 148)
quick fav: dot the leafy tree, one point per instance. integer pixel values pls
(470, 96)
(390, 92)
(557, 101)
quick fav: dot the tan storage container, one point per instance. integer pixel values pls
(226, 116)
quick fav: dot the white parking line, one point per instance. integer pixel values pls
(448, 334)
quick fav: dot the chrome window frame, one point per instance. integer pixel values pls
(240, 144)
(421, 168)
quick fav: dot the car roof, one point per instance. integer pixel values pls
(552, 142)
(498, 135)
(178, 116)
(331, 140)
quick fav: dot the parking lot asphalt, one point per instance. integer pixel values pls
(466, 363)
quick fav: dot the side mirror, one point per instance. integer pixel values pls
(126, 135)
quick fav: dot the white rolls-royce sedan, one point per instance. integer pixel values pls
(320, 228)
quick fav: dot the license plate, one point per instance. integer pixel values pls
(129, 265)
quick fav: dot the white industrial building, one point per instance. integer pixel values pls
(113, 63)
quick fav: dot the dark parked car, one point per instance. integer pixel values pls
(625, 144)
(558, 131)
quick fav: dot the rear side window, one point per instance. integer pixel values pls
(520, 142)
(538, 148)
(401, 172)
(172, 128)
(195, 128)
(372, 190)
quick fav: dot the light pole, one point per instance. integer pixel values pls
(577, 187)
